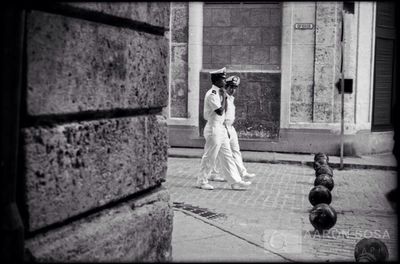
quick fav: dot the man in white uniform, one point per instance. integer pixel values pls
(232, 83)
(216, 136)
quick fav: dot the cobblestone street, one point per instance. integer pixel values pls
(276, 205)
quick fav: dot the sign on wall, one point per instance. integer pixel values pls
(303, 26)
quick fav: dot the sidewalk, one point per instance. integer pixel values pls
(378, 161)
(226, 225)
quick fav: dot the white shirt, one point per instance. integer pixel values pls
(230, 111)
(212, 101)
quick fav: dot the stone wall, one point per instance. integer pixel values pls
(94, 138)
(242, 36)
(179, 60)
(316, 58)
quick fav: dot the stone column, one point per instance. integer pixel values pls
(195, 59)
(327, 60)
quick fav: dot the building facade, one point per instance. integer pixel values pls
(290, 57)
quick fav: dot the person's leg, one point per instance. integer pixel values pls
(228, 167)
(215, 172)
(208, 160)
(237, 155)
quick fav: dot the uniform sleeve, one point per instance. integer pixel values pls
(213, 100)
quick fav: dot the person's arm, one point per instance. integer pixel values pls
(214, 102)
(221, 109)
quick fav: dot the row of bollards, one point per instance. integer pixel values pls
(323, 216)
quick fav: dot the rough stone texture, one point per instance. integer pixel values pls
(302, 78)
(179, 80)
(153, 13)
(75, 65)
(241, 37)
(135, 231)
(257, 104)
(179, 60)
(76, 167)
(326, 60)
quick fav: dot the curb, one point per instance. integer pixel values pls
(333, 165)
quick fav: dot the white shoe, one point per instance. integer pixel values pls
(240, 185)
(206, 186)
(249, 175)
(217, 178)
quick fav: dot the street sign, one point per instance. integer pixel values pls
(303, 26)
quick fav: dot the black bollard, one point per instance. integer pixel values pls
(371, 250)
(323, 217)
(320, 194)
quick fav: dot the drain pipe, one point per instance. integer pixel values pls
(11, 227)
(342, 95)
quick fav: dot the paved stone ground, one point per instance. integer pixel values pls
(275, 209)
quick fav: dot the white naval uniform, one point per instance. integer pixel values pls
(217, 141)
(234, 141)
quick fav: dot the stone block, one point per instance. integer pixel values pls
(271, 36)
(240, 55)
(323, 112)
(153, 13)
(300, 112)
(259, 17)
(303, 12)
(275, 54)
(302, 92)
(76, 167)
(76, 65)
(326, 35)
(276, 17)
(221, 17)
(207, 17)
(259, 55)
(207, 54)
(326, 14)
(303, 36)
(179, 61)
(240, 17)
(139, 230)
(231, 36)
(179, 24)
(252, 36)
(221, 54)
(324, 55)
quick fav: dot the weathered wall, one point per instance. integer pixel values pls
(179, 60)
(257, 102)
(94, 138)
(301, 62)
(242, 36)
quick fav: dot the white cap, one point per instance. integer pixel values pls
(233, 80)
(221, 72)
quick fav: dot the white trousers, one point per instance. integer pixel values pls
(237, 155)
(217, 145)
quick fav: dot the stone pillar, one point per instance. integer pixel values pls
(195, 44)
(327, 60)
(94, 137)
(179, 61)
(364, 70)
